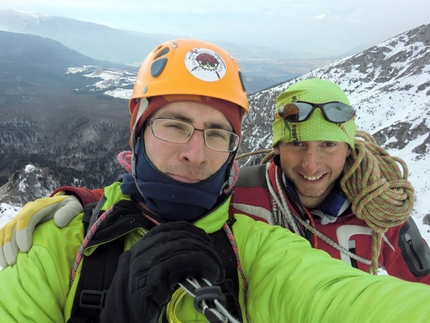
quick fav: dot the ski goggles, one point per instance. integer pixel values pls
(336, 112)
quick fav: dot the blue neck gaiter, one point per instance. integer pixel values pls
(168, 198)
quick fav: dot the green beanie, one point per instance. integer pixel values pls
(316, 127)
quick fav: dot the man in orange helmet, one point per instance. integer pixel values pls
(160, 244)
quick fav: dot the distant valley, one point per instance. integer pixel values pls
(263, 67)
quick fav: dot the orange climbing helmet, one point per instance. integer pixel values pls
(186, 67)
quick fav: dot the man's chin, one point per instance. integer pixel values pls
(184, 180)
(314, 193)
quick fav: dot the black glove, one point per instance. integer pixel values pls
(148, 273)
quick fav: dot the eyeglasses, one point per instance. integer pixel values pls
(336, 112)
(180, 132)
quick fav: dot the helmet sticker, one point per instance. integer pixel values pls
(205, 64)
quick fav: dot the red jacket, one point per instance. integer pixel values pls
(404, 253)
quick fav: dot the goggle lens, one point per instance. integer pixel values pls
(336, 112)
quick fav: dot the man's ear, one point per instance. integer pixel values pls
(277, 158)
(276, 149)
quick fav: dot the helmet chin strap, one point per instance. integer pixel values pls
(143, 104)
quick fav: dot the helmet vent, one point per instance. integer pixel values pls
(242, 80)
(158, 66)
(163, 52)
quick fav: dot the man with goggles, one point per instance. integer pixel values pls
(347, 196)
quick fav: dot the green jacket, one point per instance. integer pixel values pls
(288, 281)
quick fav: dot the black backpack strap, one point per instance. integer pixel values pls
(95, 279)
(91, 212)
(252, 176)
(97, 272)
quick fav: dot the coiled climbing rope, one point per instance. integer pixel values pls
(377, 186)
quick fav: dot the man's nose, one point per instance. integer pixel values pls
(311, 162)
(195, 148)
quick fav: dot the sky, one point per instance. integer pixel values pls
(324, 27)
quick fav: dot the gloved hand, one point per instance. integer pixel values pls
(149, 272)
(17, 234)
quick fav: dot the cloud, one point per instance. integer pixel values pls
(319, 17)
